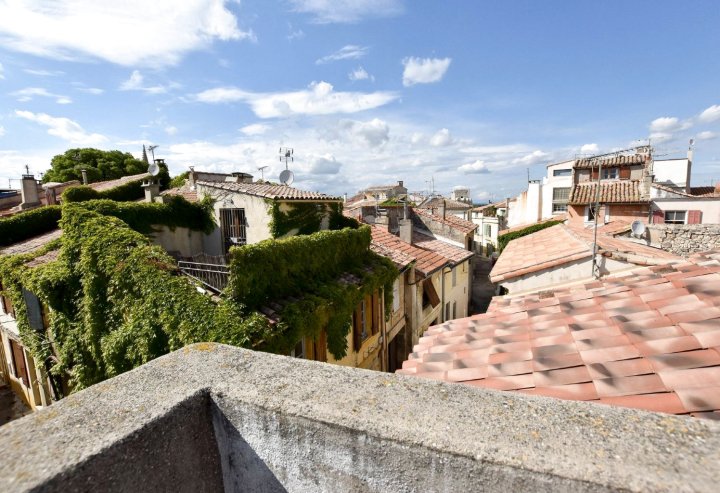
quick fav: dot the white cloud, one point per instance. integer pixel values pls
(474, 168)
(63, 128)
(326, 164)
(711, 114)
(373, 133)
(29, 93)
(255, 129)
(348, 52)
(171, 130)
(424, 70)
(441, 138)
(2, 131)
(91, 90)
(294, 33)
(131, 33)
(360, 74)
(534, 157)
(346, 11)
(665, 124)
(318, 99)
(706, 135)
(136, 83)
(660, 137)
(43, 73)
(589, 149)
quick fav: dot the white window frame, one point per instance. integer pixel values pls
(562, 172)
(673, 217)
(610, 174)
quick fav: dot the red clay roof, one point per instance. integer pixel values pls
(592, 162)
(427, 261)
(558, 217)
(107, 185)
(611, 192)
(270, 191)
(184, 191)
(32, 244)
(649, 340)
(451, 220)
(561, 244)
(399, 258)
(454, 253)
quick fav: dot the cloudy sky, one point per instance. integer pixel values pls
(367, 92)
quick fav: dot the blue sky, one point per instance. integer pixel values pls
(367, 92)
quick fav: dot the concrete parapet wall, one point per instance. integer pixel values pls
(685, 239)
(210, 416)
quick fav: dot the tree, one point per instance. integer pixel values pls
(99, 165)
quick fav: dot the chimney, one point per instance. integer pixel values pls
(406, 229)
(192, 177)
(689, 165)
(29, 192)
(442, 209)
(84, 176)
(400, 183)
(152, 190)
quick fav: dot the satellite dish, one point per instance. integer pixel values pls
(637, 228)
(154, 169)
(286, 177)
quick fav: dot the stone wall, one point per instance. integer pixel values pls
(212, 418)
(685, 239)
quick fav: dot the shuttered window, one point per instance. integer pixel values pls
(674, 217)
(694, 217)
(233, 224)
(19, 362)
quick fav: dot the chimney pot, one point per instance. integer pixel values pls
(400, 183)
(84, 176)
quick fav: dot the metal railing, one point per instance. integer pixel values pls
(214, 276)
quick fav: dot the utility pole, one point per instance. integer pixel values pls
(596, 210)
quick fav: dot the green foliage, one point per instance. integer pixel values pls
(503, 240)
(179, 180)
(303, 218)
(122, 193)
(338, 220)
(305, 271)
(100, 165)
(175, 212)
(27, 224)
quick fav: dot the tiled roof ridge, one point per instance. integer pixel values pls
(426, 261)
(450, 204)
(612, 161)
(611, 192)
(266, 190)
(454, 221)
(109, 184)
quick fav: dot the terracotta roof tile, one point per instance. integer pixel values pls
(450, 205)
(184, 191)
(427, 261)
(451, 220)
(270, 191)
(593, 162)
(611, 192)
(640, 340)
(456, 254)
(32, 244)
(107, 185)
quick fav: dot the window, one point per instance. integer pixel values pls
(488, 230)
(674, 217)
(454, 277)
(560, 200)
(562, 172)
(6, 304)
(590, 213)
(609, 173)
(19, 362)
(447, 311)
(454, 310)
(366, 320)
(299, 350)
(232, 222)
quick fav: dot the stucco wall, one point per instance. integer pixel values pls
(184, 241)
(710, 208)
(458, 293)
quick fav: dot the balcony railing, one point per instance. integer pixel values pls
(212, 272)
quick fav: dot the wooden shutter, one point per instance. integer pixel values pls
(624, 173)
(19, 362)
(694, 217)
(658, 217)
(34, 313)
(357, 330)
(594, 174)
(432, 295)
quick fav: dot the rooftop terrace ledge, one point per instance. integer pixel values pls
(212, 417)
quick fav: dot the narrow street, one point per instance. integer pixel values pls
(482, 289)
(11, 407)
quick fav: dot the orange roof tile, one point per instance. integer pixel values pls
(184, 191)
(32, 244)
(594, 162)
(426, 261)
(561, 244)
(455, 222)
(612, 192)
(456, 254)
(648, 340)
(270, 191)
(107, 185)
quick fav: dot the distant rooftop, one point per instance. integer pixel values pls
(32, 244)
(450, 205)
(107, 185)
(270, 191)
(451, 220)
(611, 192)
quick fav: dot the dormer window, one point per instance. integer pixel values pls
(609, 174)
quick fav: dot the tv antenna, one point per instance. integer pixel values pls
(261, 169)
(152, 150)
(287, 176)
